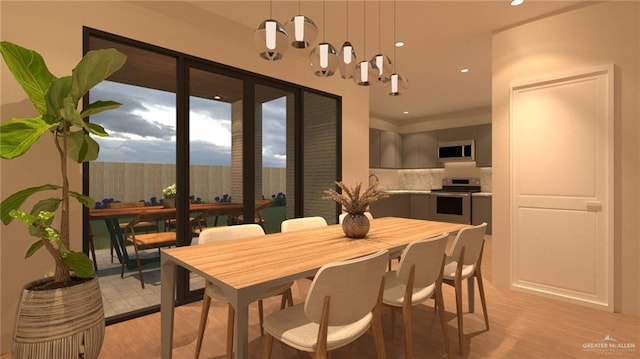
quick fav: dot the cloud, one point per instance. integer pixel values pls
(143, 129)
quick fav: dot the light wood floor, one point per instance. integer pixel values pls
(522, 326)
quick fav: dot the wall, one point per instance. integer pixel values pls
(55, 30)
(586, 37)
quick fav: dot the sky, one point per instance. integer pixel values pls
(143, 129)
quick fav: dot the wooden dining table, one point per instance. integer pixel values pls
(245, 268)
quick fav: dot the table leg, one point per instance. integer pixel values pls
(167, 303)
(471, 293)
(241, 335)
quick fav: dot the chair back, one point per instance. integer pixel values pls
(342, 215)
(353, 287)
(296, 224)
(225, 233)
(472, 239)
(151, 215)
(126, 204)
(426, 255)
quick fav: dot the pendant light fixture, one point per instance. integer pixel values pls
(324, 57)
(380, 61)
(347, 54)
(365, 72)
(270, 38)
(303, 30)
(396, 81)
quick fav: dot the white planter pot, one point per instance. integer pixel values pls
(60, 323)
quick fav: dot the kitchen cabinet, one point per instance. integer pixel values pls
(420, 150)
(457, 134)
(385, 149)
(483, 146)
(419, 206)
(396, 205)
(374, 148)
(481, 211)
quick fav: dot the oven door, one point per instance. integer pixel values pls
(454, 207)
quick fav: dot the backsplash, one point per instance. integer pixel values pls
(426, 179)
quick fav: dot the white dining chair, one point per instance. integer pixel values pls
(296, 224)
(465, 262)
(212, 291)
(417, 278)
(343, 302)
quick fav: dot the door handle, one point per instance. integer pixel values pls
(594, 206)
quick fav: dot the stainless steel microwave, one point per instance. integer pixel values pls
(456, 151)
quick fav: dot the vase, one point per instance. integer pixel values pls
(169, 203)
(60, 323)
(355, 225)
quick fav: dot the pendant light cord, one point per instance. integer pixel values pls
(379, 26)
(270, 9)
(395, 57)
(364, 33)
(347, 12)
(324, 27)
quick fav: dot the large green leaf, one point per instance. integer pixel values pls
(98, 107)
(49, 205)
(95, 67)
(96, 129)
(30, 70)
(34, 248)
(19, 134)
(56, 94)
(85, 200)
(79, 263)
(81, 147)
(16, 200)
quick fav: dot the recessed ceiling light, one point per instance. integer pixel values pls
(516, 2)
(406, 112)
(399, 43)
(464, 71)
(216, 97)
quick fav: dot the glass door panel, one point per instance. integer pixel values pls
(135, 163)
(275, 160)
(215, 148)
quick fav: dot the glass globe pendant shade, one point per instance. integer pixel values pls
(324, 59)
(303, 30)
(347, 61)
(270, 39)
(365, 73)
(382, 63)
(397, 83)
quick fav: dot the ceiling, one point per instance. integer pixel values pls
(441, 37)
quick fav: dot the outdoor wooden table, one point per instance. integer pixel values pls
(112, 215)
(244, 268)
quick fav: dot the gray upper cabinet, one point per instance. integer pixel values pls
(374, 148)
(483, 146)
(385, 149)
(420, 150)
(457, 134)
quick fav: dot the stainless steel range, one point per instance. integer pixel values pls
(452, 203)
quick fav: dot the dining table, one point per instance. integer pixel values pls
(246, 268)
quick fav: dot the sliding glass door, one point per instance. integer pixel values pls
(221, 135)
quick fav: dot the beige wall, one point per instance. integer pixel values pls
(594, 35)
(55, 30)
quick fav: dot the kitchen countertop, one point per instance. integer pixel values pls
(416, 191)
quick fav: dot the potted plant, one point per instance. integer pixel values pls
(355, 204)
(51, 320)
(169, 194)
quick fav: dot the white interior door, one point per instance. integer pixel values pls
(562, 185)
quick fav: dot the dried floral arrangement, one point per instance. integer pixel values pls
(352, 200)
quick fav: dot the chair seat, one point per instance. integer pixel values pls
(216, 293)
(394, 291)
(450, 266)
(154, 240)
(292, 327)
